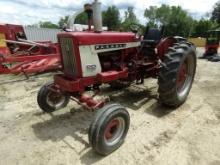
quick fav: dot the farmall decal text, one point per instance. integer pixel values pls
(109, 46)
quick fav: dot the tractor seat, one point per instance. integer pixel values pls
(152, 36)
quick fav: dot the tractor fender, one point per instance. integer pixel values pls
(180, 39)
(166, 43)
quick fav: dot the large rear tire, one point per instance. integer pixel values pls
(49, 100)
(109, 129)
(177, 74)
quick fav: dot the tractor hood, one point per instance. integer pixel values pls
(91, 38)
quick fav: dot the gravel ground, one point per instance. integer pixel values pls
(157, 135)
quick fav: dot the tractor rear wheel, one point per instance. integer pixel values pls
(109, 129)
(177, 74)
(49, 100)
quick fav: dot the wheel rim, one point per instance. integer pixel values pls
(114, 131)
(182, 76)
(185, 76)
(55, 99)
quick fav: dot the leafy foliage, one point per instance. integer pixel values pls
(130, 19)
(216, 13)
(176, 20)
(111, 18)
(81, 19)
(62, 21)
(202, 26)
(48, 24)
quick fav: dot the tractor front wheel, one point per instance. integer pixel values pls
(49, 100)
(109, 129)
(177, 74)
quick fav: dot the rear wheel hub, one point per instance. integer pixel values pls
(182, 76)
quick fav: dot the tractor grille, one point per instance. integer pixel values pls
(69, 59)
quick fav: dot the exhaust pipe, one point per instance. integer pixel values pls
(94, 13)
(97, 16)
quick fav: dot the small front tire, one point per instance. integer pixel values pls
(49, 100)
(109, 129)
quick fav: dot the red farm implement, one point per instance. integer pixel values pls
(212, 45)
(19, 55)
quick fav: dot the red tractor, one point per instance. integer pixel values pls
(94, 57)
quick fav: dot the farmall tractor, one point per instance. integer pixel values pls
(95, 57)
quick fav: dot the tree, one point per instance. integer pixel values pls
(151, 15)
(62, 21)
(216, 13)
(48, 24)
(130, 19)
(176, 20)
(202, 26)
(80, 19)
(111, 18)
(130, 16)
